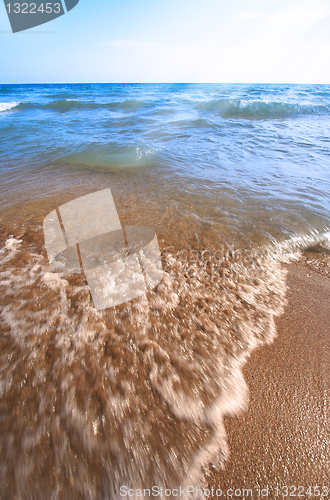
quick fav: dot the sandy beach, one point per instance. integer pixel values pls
(283, 439)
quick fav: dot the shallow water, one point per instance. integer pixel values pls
(239, 156)
(234, 180)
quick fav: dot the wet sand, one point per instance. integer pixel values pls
(284, 437)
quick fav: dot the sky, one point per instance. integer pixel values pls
(222, 41)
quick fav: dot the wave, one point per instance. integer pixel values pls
(260, 109)
(134, 395)
(227, 108)
(105, 156)
(7, 106)
(71, 104)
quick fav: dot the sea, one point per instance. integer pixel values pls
(235, 181)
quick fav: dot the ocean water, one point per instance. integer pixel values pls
(235, 180)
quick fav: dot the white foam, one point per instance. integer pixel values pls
(120, 371)
(10, 249)
(6, 106)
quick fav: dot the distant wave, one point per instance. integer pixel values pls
(6, 106)
(69, 104)
(227, 108)
(260, 109)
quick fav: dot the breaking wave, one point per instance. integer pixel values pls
(227, 108)
(260, 109)
(69, 104)
(7, 106)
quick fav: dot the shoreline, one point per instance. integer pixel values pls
(280, 439)
(284, 436)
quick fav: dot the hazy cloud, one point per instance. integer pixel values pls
(252, 15)
(128, 44)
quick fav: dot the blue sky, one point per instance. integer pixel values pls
(265, 41)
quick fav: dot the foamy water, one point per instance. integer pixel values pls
(134, 395)
(6, 106)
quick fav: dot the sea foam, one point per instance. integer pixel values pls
(6, 106)
(134, 395)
